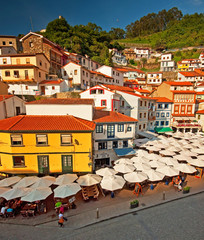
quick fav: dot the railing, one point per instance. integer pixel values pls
(186, 125)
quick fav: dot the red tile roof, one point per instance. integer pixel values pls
(162, 99)
(45, 123)
(201, 84)
(110, 116)
(4, 97)
(200, 111)
(190, 74)
(200, 93)
(52, 82)
(143, 91)
(184, 91)
(136, 95)
(130, 70)
(5, 66)
(179, 83)
(119, 88)
(183, 115)
(63, 101)
(101, 74)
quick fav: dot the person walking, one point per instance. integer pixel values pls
(61, 219)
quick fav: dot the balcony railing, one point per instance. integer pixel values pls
(186, 125)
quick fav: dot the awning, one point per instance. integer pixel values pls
(163, 130)
(124, 151)
(146, 134)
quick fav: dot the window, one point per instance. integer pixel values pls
(198, 116)
(87, 74)
(129, 129)
(18, 110)
(99, 128)
(157, 114)
(18, 161)
(26, 87)
(100, 91)
(4, 61)
(140, 115)
(7, 73)
(122, 103)
(53, 87)
(125, 144)
(10, 43)
(102, 145)
(41, 140)
(16, 140)
(103, 103)
(113, 72)
(140, 103)
(120, 127)
(145, 103)
(159, 105)
(140, 127)
(166, 105)
(162, 123)
(26, 74)
(167, 114)
(18, 61)
(145, 114)
(189, 109)
(39, 74)
(93, 91)
(45, 65)
(16, 74)
(183, 109)
(75, 72)
(144, 126)
(110, 131)
(31, 44)
(27, 60)
(162, 114)
(4, 43)
(115, 144)
(40, 63)
(176, 108)
(66, 139)
(65, 73)
(67, 161)
(157, 123)
(167, 123)
(83, 72)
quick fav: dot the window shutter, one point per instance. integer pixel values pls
(16, 138)
(67, 139)
(42, 138)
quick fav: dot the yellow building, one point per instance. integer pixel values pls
(45, 144)
(24, 67)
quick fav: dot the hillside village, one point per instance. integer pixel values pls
(84, 115)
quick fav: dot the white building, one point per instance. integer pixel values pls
(103, 97)
(11, 106)
(142, 53)
(167, 64)
(99, 78)
(76, 76)
(113, 137)
(163, 114)
(131, 73)
(192, 76)
(154, 78)
(112, 72)
(23, 88)
(50, 87)
(81, 108)
(118, 57)
(201, 58)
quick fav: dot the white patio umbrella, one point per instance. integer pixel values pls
(173, 149)
(3, 190)
(124, 168)
(167, 153)
(161, 145)
(198, 151)
(64, 191)
(142, 153)
(181, 157)
(112, 183)
(153, 156)
(42, 182)
(65, 179)
(142, 166)
(156, 164)
(37, 194)
(168, 171)
(51, 178)
(153, 148)
(15, 193)
(89, 179)
(123, 161)
(135, 177)
(106, 172)
(189, 153)
(196, 162)
(140, 160)
(169, 161)
(185, 168)
(200, 157)
(6, 182)
(26, 182)
(154, 175)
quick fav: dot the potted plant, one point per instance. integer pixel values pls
(186, 189)
(134, 204)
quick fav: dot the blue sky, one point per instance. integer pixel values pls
(15, 14)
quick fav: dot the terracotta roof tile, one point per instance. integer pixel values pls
(200, 93)
(187, 92)
(190, 74)
(162, 99)
(3, 97)
(179, 83)
(119, 88)
(52, 82)
(200, 111)
(63, 101)
(46, 123)
(110, 116)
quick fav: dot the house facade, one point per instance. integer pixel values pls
(81, 108)
(190, 76)
(167, 64)
(9, 41)
(45, 145)
(188, 64)
(154, 78)
(50, 87)
(118, 57)
(11, 106)
(113, 137)
(142, 53)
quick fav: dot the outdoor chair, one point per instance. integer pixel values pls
(24, 213)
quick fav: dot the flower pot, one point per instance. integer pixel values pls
(134, 205)
(186, 191)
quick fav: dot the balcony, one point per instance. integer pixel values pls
(186, 125)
